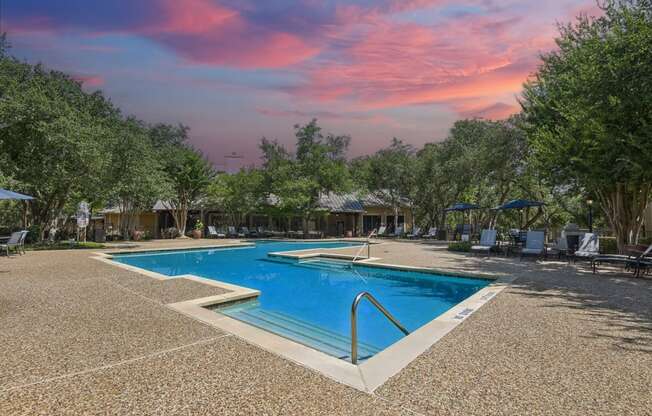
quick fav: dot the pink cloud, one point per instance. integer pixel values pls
(470, 59)
(90, 81)
(206, 32)
(330, 115)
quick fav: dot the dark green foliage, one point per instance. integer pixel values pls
(461, 246)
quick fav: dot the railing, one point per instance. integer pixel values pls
(367, 244)
(354, 323)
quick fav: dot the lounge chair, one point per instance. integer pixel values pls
(15, 243)
(213, 233)
(399, 232)
(432, 233)
(295, 234)
(262, 232)
(382, 231)
(244, 232)
(589, 247)
(416, 233)
(534, 244)
(638, 263)
(487, 242)
(231, 232)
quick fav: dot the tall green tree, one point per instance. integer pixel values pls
(588, 112)
(54, 137)
(318, 166)
(238, 194)
(136, 176)
(189, 175)
(389, 174)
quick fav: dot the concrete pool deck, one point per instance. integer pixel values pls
(82, 336)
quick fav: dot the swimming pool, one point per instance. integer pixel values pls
(310, 301)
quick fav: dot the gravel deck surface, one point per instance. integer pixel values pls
(83, 337)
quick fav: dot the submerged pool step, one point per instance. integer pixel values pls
(300, 331)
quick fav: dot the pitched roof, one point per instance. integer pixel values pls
(341, 202)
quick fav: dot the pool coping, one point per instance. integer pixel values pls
(366, 376)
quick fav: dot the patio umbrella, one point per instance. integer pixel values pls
(10, 195)
(5, 194)
(519, 204)
(462, 207)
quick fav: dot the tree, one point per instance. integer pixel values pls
(189, 175)
(136, 176)
(587, 112)
(53, 136)
(239, 194)
(298, 181)
(389, 174)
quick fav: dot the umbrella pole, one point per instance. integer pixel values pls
(25, 215)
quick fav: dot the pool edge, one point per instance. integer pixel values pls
(367, 376)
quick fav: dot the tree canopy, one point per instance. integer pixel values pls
(587, 112)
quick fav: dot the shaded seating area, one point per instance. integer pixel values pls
(15, 242)
(639, 263)
(589, 247)
(463, 230)
(487, 242)
(213, 233)
(534, 244)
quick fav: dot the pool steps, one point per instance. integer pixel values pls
(300, 331)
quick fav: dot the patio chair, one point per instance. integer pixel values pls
(382, 231)
(399, 232)
(534, 244)
(244, 232)
(638, 263)
(487, 242)
(589, 247)
(231, 232)
(14, 242)
(560, 248)
(416, 233)
(432, 233)
(213, 233)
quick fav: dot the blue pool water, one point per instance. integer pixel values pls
(310, 301)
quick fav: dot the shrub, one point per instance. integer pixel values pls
(463, 246)
(65, 245)
(608, 245)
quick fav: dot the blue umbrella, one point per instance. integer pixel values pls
(461, 206)
(519, 204)
(5, 194)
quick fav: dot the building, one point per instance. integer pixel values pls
(344, 215)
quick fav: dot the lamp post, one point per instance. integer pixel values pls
(589, 202)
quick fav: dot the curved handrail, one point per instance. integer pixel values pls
(354, 324)
(368, 244)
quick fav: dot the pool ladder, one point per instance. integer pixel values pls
(367, 244)
(354, 324)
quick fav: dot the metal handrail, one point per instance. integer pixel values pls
(354, 324)
(368, 244)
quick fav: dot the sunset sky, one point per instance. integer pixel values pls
(235, 71)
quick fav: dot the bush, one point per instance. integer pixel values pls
(608, 245)
(65, 245)
(646, 241)
(463, 246)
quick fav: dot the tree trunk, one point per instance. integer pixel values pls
(624, 207)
